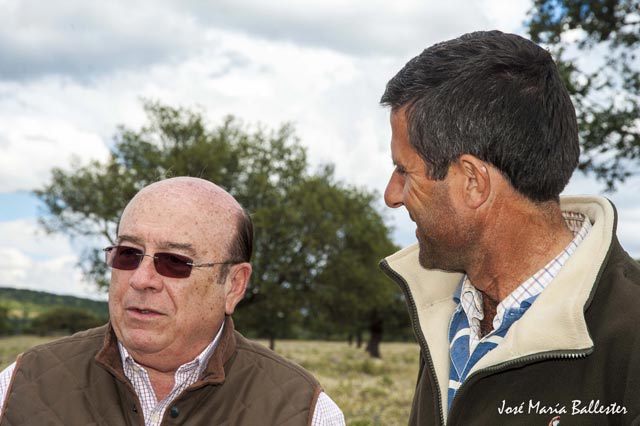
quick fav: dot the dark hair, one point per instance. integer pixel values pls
(241, 247)
(496, 96)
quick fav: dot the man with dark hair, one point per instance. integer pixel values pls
(170, 354)
(524, 304)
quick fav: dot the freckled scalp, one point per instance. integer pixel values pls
(207, 198)
(195, 201)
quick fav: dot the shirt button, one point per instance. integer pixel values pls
(174, 412)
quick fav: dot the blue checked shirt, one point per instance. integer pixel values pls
(465, 341)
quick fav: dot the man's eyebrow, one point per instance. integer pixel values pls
(129, 238)
(184, 247)
(165, 245)
(397, 163)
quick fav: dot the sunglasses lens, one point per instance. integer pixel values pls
(167, 264)
(122, 257)
(173, 265)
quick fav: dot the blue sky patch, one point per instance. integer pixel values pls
(18, 205)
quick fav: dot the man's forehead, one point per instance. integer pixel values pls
(399, 139)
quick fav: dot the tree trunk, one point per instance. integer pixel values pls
(359, 339)
(375, 330)
(272, 343)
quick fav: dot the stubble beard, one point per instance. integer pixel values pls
(437, 254)
(429, 256)
(449, 237)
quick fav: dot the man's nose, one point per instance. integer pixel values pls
(393, 192)
(145, 276)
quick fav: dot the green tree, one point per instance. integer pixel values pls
(301, 218)
(606, 95)
(355, 298)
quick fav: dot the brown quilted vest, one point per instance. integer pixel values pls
(79, 380)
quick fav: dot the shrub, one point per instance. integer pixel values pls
(64, 320)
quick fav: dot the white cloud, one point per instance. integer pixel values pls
(84, 39)
(506, 15)
(263, 62)
(32, 146)
(360, 27)
(14, 265)
(75, 70)
(33, 260)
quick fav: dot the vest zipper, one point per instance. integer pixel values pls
(422, 341)
(476, 375)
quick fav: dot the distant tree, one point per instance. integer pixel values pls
(66, 320)
(606, 94)
(354, 292)
(301, 218)
(5, 323)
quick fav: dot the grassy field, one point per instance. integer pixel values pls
(12, 346)
(370, 392)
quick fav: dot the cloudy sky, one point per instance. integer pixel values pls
(72, 71)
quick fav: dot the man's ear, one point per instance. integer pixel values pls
(236, 285)
(477, 180)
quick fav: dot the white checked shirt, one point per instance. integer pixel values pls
(186, 375)
(326, 412)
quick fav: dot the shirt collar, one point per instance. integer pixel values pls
(470, 299)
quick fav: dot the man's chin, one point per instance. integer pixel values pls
(425, 260)
(430, 261)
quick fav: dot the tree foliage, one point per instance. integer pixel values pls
(596, 45)
(317, 240)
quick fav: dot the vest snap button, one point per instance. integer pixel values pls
(174, 412)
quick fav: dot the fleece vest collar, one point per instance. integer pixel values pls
(555, 322)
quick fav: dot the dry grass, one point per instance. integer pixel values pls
(10, 347)
(370, 392)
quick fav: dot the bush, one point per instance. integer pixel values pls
(5, 325)
(64, 320)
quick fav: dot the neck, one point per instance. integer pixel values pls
(519, 240)
(162, 382)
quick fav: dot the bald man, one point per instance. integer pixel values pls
(169, 354)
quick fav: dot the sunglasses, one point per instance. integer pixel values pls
(167, 264)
